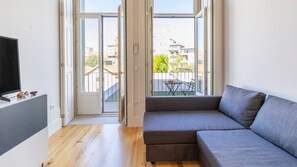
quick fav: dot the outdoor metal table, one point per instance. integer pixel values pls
(172, 86)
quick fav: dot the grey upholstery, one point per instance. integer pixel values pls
(169, 129)
(188, 103)
(240, 148)
(181, 127)
(173, 125)
(172, 152)
(277, 122)
(241, 105)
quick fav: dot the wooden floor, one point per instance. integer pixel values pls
(101, 146)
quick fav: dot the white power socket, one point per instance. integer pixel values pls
(52, 107)
(136, 102)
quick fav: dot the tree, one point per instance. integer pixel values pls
(178, 64)
(161, 63)
(189, 67)
(92, 60)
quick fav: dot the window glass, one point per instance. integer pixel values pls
(173, 6)
(89, 55)
(173, 61)
(95, 6)
(201, 57)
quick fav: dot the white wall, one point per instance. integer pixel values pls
(136, 62)
(35, 24)
(260, 45)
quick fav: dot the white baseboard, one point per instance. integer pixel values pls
(54, 126)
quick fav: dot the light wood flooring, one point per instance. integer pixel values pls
(101, 146)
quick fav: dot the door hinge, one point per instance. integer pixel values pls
(62, 116)
(62, 65)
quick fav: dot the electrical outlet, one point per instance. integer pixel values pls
(136, 102)
(52, 107)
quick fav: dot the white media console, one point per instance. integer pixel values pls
(23, 132)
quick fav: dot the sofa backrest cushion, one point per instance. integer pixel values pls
(277, 123)
(242, 105)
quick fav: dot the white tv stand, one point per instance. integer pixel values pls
(23, 131)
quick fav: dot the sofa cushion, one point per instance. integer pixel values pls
(241, 105)
(241, 148)
(277, 122)
(181, 127)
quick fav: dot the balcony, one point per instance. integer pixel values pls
(183, 82)
(110, 86)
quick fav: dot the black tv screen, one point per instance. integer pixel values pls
(9, 66)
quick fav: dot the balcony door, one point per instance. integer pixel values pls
(179, 63)
(202, 74)
(99, 52)
(89, 96)
(122, 64)
(67, 61)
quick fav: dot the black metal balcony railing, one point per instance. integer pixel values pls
(110, 85)
(186, 78)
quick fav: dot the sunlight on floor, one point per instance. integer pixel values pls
(94, 120)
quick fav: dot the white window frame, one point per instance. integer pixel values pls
(197, 8)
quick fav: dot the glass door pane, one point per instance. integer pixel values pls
(89, 97)
(110, 64)
(201, 42)
(89, 59)
(173, 59)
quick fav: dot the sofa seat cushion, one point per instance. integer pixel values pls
(241, 148)
(180, 127)
(242, 105)
(277, 122)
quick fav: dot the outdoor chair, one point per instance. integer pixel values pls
(189, 88)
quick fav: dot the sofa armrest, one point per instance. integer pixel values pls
(187, 103)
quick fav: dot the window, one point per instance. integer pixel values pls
(174, 6)
(89, 55)
(178, 43)
(99, 6)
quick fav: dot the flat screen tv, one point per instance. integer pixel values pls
(9, 67)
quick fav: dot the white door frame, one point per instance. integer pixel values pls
(87, 98)
(122, 65)
(90, 102)
(149, 37)
(149, 48)
(202, 14)
(66, 61)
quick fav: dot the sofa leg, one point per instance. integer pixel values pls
(153, 162)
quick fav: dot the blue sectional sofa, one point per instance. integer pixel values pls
(238, 129)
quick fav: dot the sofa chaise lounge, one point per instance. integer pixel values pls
(221, 131)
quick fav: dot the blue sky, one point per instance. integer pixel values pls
(101, 5)
(182, 30)
(173, 6)
(110, 32)
(179, 29)
(160, 6)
